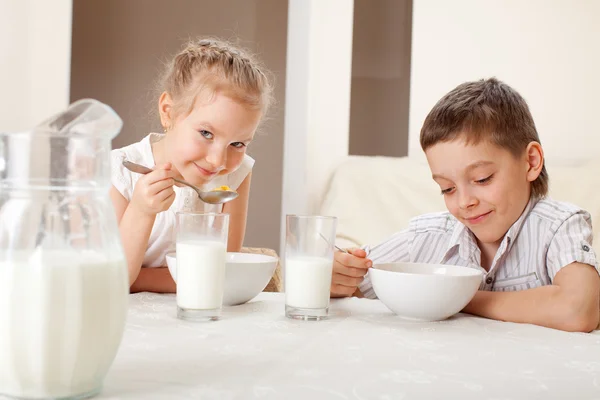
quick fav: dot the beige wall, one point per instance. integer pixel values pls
(118, 50)
(35, 57)
(546, 50)
(380, 77)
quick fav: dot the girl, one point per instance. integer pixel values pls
(214, 98)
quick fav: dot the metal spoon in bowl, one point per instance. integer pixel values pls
(211, 197)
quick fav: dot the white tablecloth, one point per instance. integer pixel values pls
(362, 352)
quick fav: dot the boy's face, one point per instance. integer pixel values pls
(484, 186)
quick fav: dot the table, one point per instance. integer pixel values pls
(363, 352)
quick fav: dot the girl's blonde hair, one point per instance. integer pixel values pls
(207, 66)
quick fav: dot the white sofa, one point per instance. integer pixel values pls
(373, 197)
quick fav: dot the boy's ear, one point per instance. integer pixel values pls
(535, 160)
(165, 109)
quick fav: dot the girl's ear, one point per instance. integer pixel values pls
(165, 110)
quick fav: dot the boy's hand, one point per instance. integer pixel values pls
(348, 272)
(154, 192)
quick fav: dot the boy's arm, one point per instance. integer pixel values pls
(157, 280)
(571, 303)
(395, 249)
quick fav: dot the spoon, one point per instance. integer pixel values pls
(340, 249)
(211, 197)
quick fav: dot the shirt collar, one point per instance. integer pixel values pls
(511, 236)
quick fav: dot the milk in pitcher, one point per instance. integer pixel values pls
(62, 315)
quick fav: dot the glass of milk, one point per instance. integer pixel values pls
(201, 252)
(308, 265)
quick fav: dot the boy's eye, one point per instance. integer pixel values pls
(447, 191)
(484, 180)
(238, 145)
(206, 134)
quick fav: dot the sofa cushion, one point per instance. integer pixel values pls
(374, 197)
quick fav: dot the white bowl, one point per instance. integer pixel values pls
(246, 275)
(424, 292)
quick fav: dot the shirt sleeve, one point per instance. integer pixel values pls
(235, 179)
(395, 249)
(571, 243)
(121, 177)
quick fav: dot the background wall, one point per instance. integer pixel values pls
(119, 48)
(380, 77)
(35, 58)
(547, 50)
(349, 62)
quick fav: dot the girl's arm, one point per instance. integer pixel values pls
(238, 211)
(135, 228)
(157, 280)
(153, 193)
(571, 303)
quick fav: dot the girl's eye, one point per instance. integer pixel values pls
(238, 145)
(206, 134)
(484, 180)
(447, 191)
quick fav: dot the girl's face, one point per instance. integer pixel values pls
(211, 140)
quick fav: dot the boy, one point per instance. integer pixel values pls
(484, 152)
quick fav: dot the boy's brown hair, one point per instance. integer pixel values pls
(487, 109)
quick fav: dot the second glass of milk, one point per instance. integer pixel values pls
(201, 252)
(308, 266)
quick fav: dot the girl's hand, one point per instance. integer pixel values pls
(153, 192)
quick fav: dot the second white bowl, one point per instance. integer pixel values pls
(246, 275)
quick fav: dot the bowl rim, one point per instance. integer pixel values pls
(469, 272)
(268, 258)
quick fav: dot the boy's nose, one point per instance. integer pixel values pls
(466, 200)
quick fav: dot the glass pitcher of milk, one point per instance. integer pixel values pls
(63, 275)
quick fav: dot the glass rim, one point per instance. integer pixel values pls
(307, 216)
(197, 213)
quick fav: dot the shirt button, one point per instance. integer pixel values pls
(489, 280)
(585, 247)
